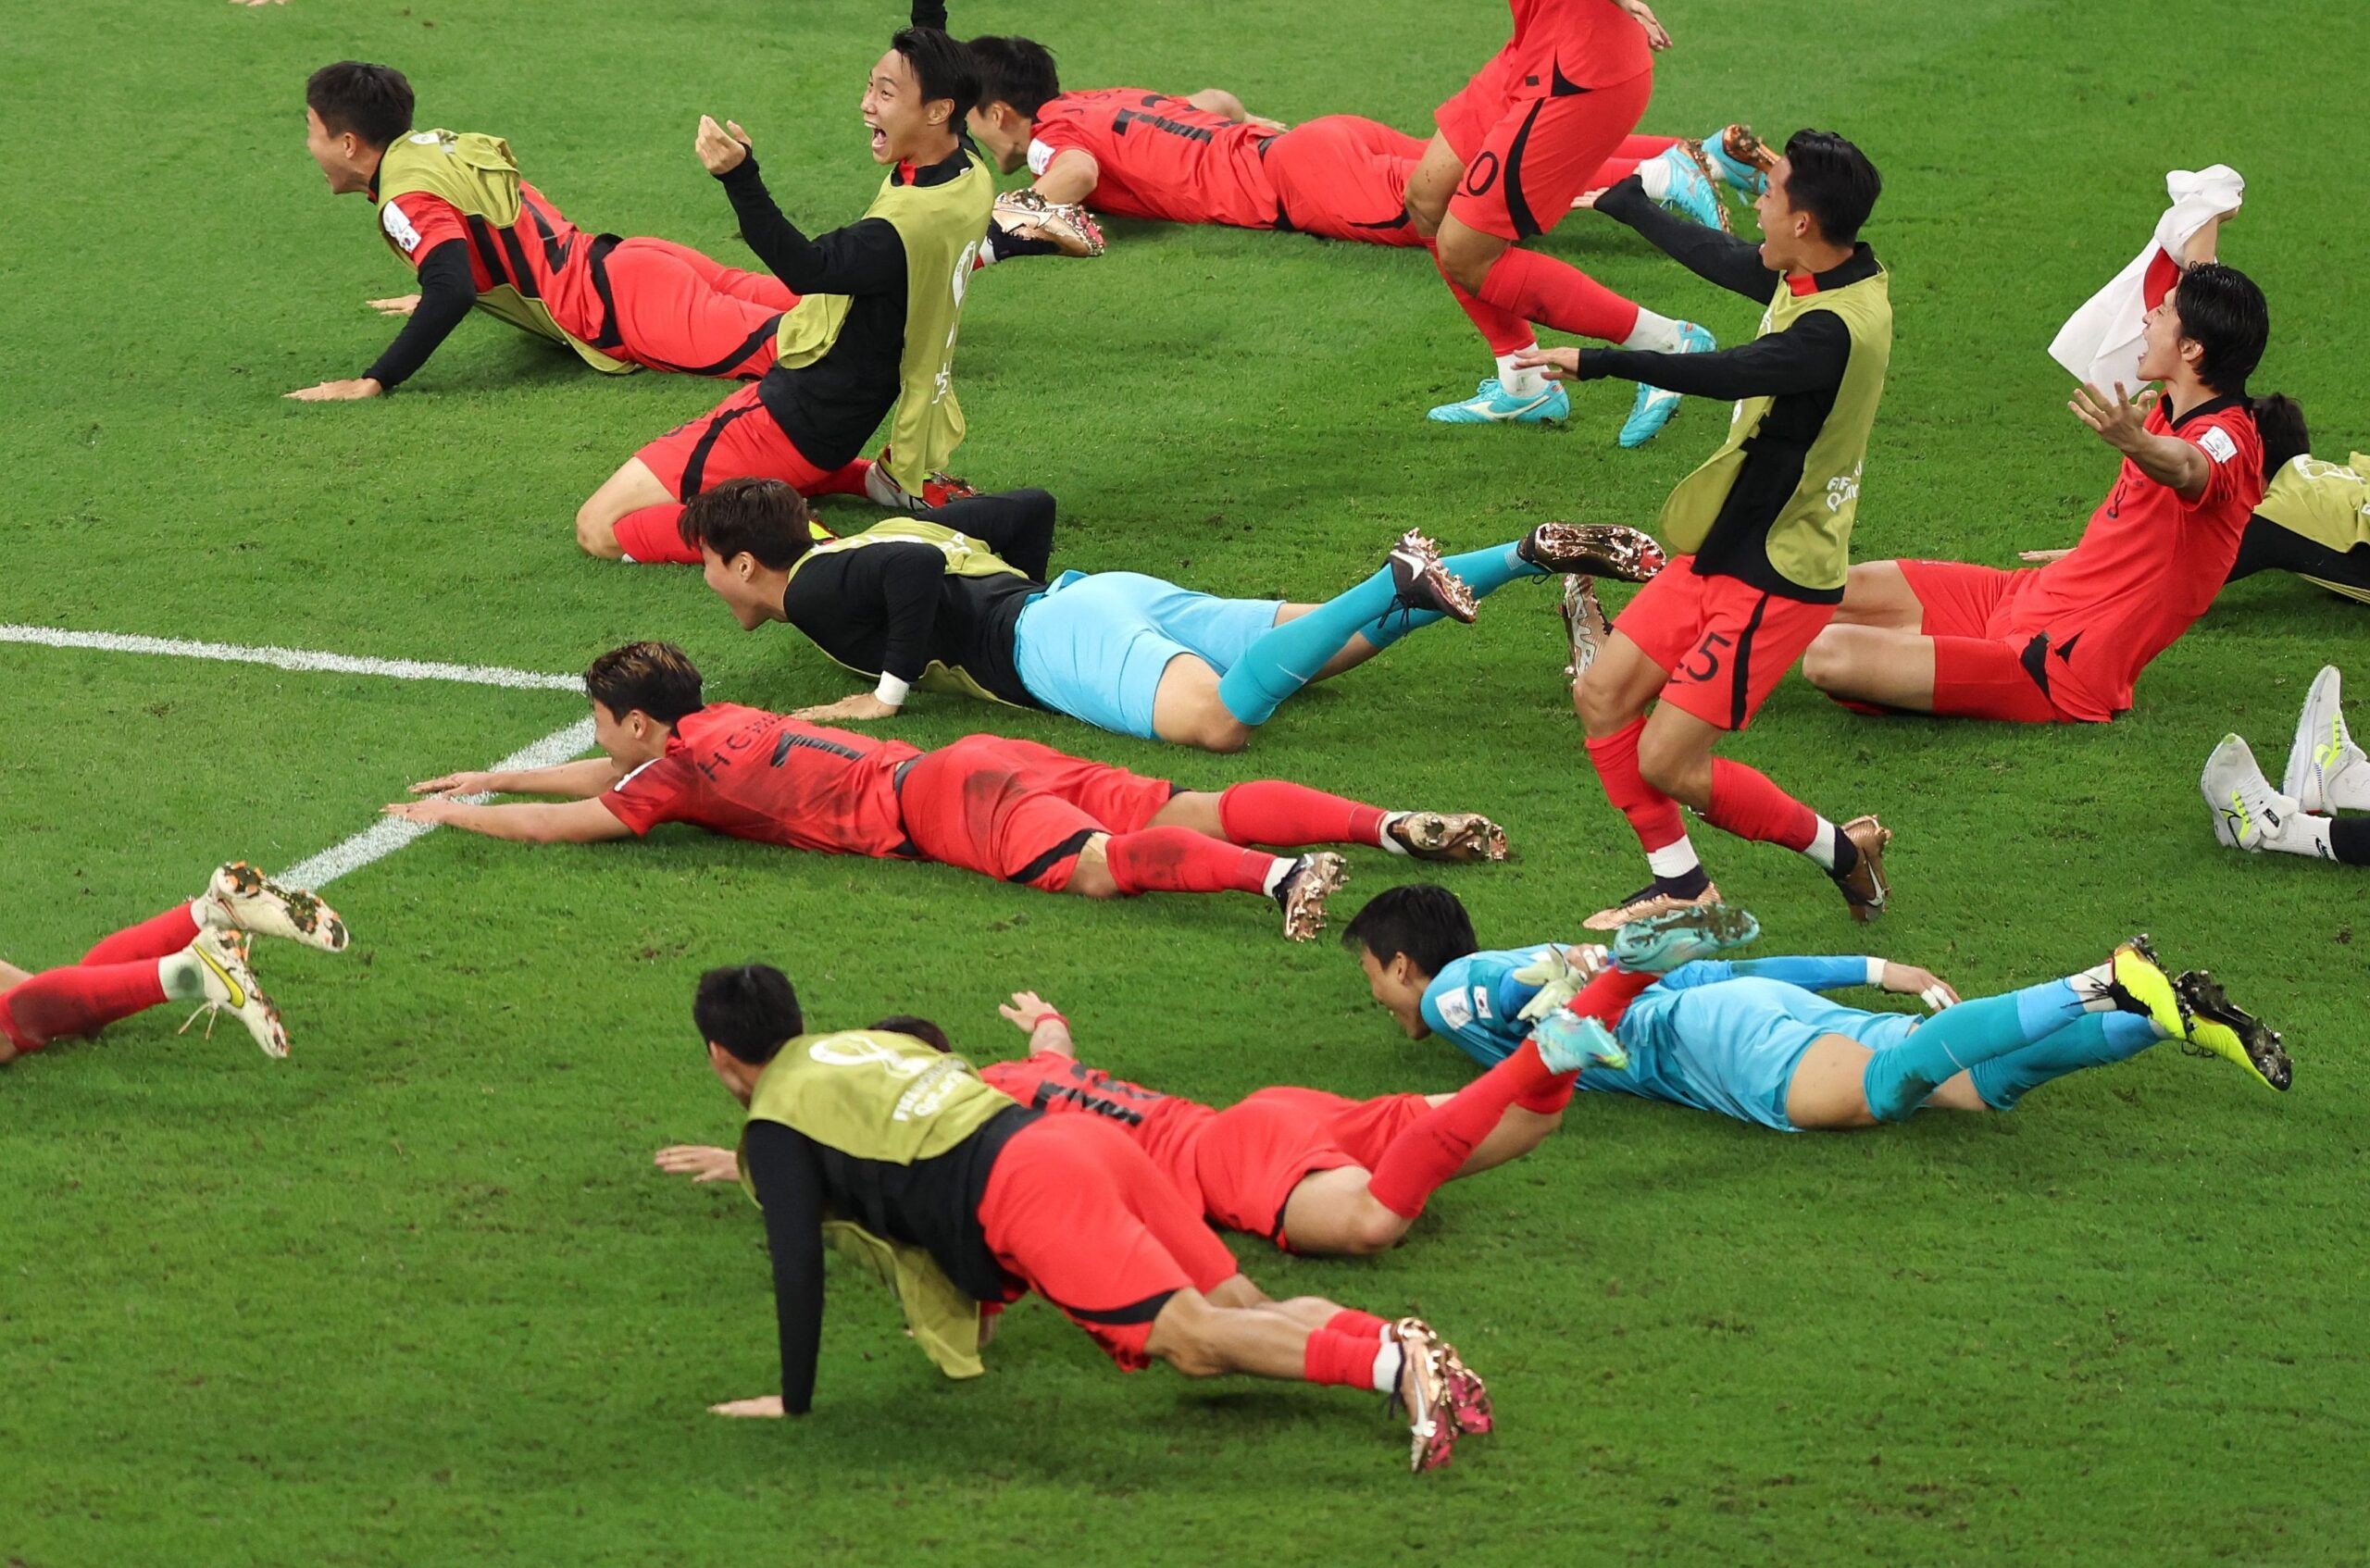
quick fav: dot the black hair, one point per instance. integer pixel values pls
(762, 517)
(2279, 420)
(657, 678)
(749, 1009)
(1427, 923)
(1832, 180)
(373, 102)
(2224, 314)
(1019, 71)
(944, 67)
(922, 1029)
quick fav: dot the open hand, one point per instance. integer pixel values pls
(434, 812)
(1657, 36)
(2121, 419)
(764, 1405)
(1560, 364)
(338, 391)
(2042, 557)
(1907, 980)
(721, 149)
(399, 304)
(455, 784)
(1026, 1010)
(864, 705)
(699, 1162)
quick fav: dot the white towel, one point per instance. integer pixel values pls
(2100, 342)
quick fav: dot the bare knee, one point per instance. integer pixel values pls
(1373, 1229)
(596, 531)
(1827, 661)
(1676, 768)
(1467, 258)
(1091, 878)
(1189, 1336)
(1603, 707)
(1209, 725)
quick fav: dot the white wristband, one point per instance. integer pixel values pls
(1875, 971)
(892, 690)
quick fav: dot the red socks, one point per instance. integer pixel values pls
(63, 1003)
(1436, 1145)
(845, 480)
(1179, 860)
(648, 536)
(1503, 331)
(1349, 1320)
(1339, 1360)
(1745, 803)
(1271, 812)
(1653, 814)
(1556, 293)
(160, 936)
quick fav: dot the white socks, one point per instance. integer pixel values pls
(1673, 860)
(1822, 845)
(182, 976)
(1657, 334)
(2298, 833)
(1389, 840)
(1655, 174)
(1387, 1363)
(1521, 383)
(2091, 986)
(1277, 872)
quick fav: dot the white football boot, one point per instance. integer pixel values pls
(2247, 810)
(2324, 753)
(240, 898)
(231, 988)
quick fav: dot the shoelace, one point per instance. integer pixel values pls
(209, 1008)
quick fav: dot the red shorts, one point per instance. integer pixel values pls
(1082, 1215)
(1725, 643)
(672, 309)
(1020, 811)
(1344, 177)
(1983, 667)
(19, 1039)
(1529, 152)
(1249, 1157)
(735, 439)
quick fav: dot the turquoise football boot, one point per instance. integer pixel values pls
(1741, 159)
(1491, 403)
(1659, 943)
(1655, 407)
(1569, 1043)
(1689, 192)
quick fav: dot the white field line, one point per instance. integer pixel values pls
(388, 834)
(392, 833)
(302, 659)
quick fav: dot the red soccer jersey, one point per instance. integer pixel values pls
(749, 774)
(1164, 1125)
(542, 255)
(1585, 42)
(2148, 564)
(1159, 157)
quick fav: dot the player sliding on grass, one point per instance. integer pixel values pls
(1765, 523)
(1203, 158)
(2065, 643)
(872, 335)
(958, 600)
(1756, 1041)
(889, 1148)
(1009, 809)
(2327, 774)
(479, 237)
(194, 951)
(1517, 147)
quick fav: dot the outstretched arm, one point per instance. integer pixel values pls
(865, 257)
(573, 780)
(1069, 177)
(1810, 356)
(1821, 972)
(788, 1181)
(1034, 1017)
(2121, 422)
(577, 822)
(1732, 263)
(446, 292)
(895, 585)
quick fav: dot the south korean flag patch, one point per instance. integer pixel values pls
(2216, 444)
(398, 228)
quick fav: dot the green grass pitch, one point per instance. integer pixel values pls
(417, 1296)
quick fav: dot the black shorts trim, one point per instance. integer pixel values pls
(1055, 856)
(598, 264)
(1128, 1315)
(1526, 225)
(1740, 674)
(2035, 658)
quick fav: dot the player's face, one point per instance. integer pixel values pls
(1003, 132)
(898, 116)
(729, 581)
(1781, 222)
(739, 1078)
(337, 155)
(629, 738)
(1395, 988)
(2160, 343)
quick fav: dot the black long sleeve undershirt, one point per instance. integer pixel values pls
(447, 290)
(787, 1177)
(864, 258)
(1716, 257)
(1811, 355)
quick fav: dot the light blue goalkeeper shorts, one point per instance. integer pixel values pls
(1094, 644)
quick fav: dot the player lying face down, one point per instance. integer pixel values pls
(1058, 823)
(879, 1144)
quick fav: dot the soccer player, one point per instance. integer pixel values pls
(1755, 1040)
(1764, 525)
(2314, 521)
(958, 600)
(1203, 158)
(194, 951)
(480, 237)
(881, 302)
(2065, 643)
(1009, 809)
(887, 1147)
(2327, 772)
(1516, 147)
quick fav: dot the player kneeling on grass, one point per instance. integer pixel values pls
(957, 602)
(1009, 809)
(194, 951)
(1756, 1041)
(2327, 772)
(887, 1147)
